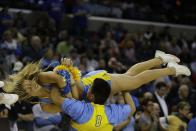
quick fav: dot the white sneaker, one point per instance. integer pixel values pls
(1, 84)
(8, 99)
(180, 69)
(166, 57)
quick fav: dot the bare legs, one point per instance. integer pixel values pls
(124, 82)
(139, 74)
(142, 66)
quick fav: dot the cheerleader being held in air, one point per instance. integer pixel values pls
(33, 81)
(136, 76)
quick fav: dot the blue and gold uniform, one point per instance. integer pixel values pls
(97, 122)
(94, 117)
(86, 80)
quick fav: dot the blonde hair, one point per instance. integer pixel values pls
(13, 84)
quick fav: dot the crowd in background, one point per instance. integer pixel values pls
(173, 11)
(50, 37)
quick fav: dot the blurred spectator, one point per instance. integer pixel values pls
(165, 34)
(183, 95)
(108, 46)
(63, 47)
(115, 66)
(10, 46)
(157, 109)
(177, 122)
(4, 119)
(119, 32)
(75, 57)
(148, 120)
(172, 123)
(92, 63)
(20, 23)
(159, 95)
(127, 125)
(149, 34)
(18, 65)
(102, 65)
(185, 55)
(184, 111)
(193, 47)
(173, 11)
(34, 50)
(55, 9)
(43, 26)
(193, 68)
(49, 59)
(129, 52)
(192, 125)
(80, 19)
(45, 121)
(173, 48)
(84, 68)
(148, 95)
(21, 113)
(147, 43)
(80, 45)
(106, 27)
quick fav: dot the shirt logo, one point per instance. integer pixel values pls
(98, 121)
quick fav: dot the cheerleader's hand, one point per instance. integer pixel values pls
(66, 61)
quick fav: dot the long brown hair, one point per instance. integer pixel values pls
(13, 84)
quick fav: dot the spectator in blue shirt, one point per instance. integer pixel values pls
(55, 9)
(45, 121)
(192, 125)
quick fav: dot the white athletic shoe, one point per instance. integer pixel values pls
(166, 57)
(8, 99)
(180, 69)
(1, 84)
